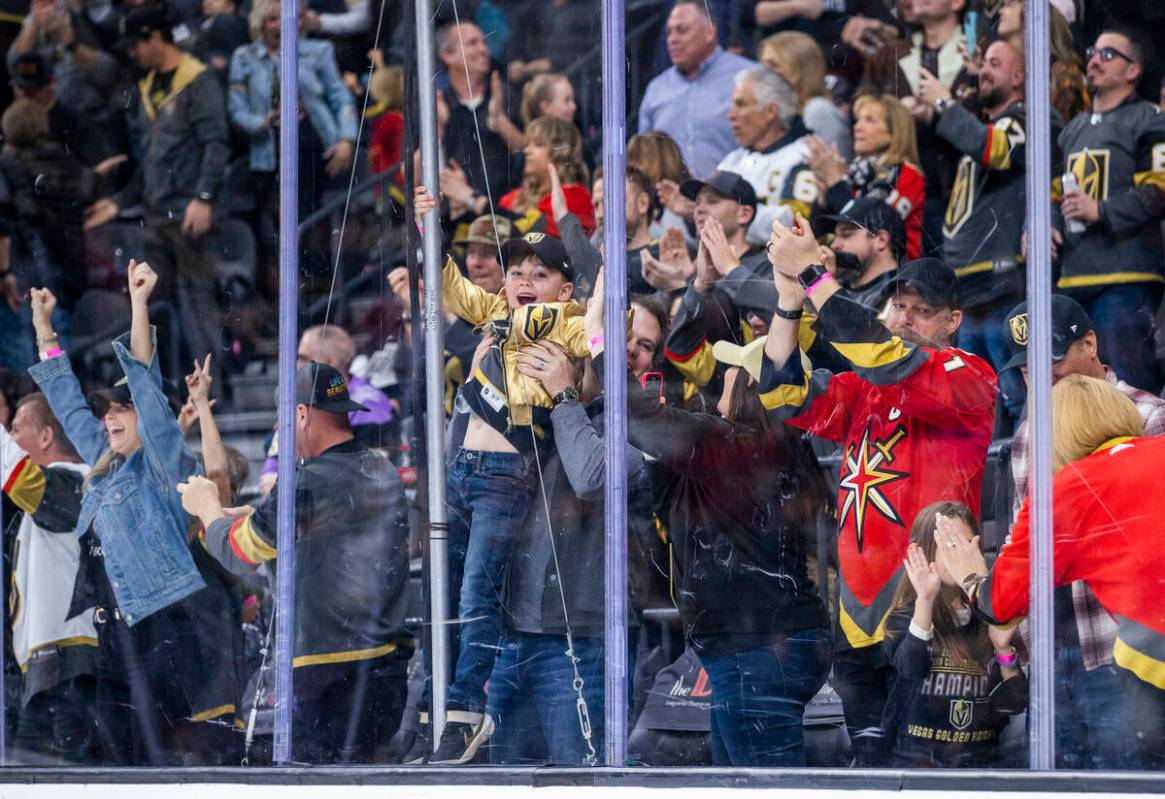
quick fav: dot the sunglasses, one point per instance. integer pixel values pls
(1106, 54)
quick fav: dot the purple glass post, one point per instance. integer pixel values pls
(615, 367)
(1039, 294)
(288, 333)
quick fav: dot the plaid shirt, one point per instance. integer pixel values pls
(1095, 626)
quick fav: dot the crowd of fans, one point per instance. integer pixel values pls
(826, 259)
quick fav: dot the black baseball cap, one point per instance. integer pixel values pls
(722, 181)
(119, 394)
(1069, 322)
(873, 215)
(30, 72)
(546, 248)
(141, 23)
(101, 400)
(931, 278)
(323, 388)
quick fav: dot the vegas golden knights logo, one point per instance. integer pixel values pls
(540, 320)
(961, 712)
(1018, 324)
(1091, 170)
(962, 200)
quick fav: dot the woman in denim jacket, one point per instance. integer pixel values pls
(137, 569)
(326, 136)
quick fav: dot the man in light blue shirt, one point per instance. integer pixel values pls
(689, 101)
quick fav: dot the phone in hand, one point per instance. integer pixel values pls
(652, 383)
(971, 30)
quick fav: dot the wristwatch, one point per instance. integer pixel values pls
(568, 394)
(942, 104)
(811, 274)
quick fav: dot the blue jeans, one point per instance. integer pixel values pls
(1123, 319)
(534, 705)
(1092, 721)
(759, 697)
(981, 333)
(489, 494)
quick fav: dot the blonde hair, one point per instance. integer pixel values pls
(657, 155)
(387, 86)
(25, 123)
(801, 63)
(539, 90)
(565, 143)
(903, 147)
(260, 9)
(100, 468)
(1087, 412)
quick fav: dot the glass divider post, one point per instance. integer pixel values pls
(434, 374)
(1039, 295)
(288, 334)
(615, 368)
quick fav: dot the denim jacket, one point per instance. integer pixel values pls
(322, 94)
(134, 508)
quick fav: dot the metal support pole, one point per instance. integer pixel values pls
(1039, 363)
(615, 368)
(434, 375)
(288, 332)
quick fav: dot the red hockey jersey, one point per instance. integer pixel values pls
(915, 423)
(1107, 522)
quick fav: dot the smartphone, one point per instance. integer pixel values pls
(971, 30)
(652, 383)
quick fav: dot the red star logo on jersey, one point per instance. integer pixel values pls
(865, 477)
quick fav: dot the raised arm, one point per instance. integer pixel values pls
(214, 452)
(142, 280)
(54, 376)
(163, 445)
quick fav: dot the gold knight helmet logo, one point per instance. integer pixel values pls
(540, 320)
(961, 712)
(1091, 169)
(1018, 324)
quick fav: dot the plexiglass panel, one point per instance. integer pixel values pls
(830, 458)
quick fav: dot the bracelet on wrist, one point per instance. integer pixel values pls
(1007, 659)
(817, 283)
(45, 342)
(791, 315)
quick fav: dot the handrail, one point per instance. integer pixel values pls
(360, 188)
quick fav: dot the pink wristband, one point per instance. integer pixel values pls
(52, 353)
(597, 340)
(1007, 660)
(813, 286)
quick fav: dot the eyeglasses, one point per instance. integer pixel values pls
(1106, 54)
